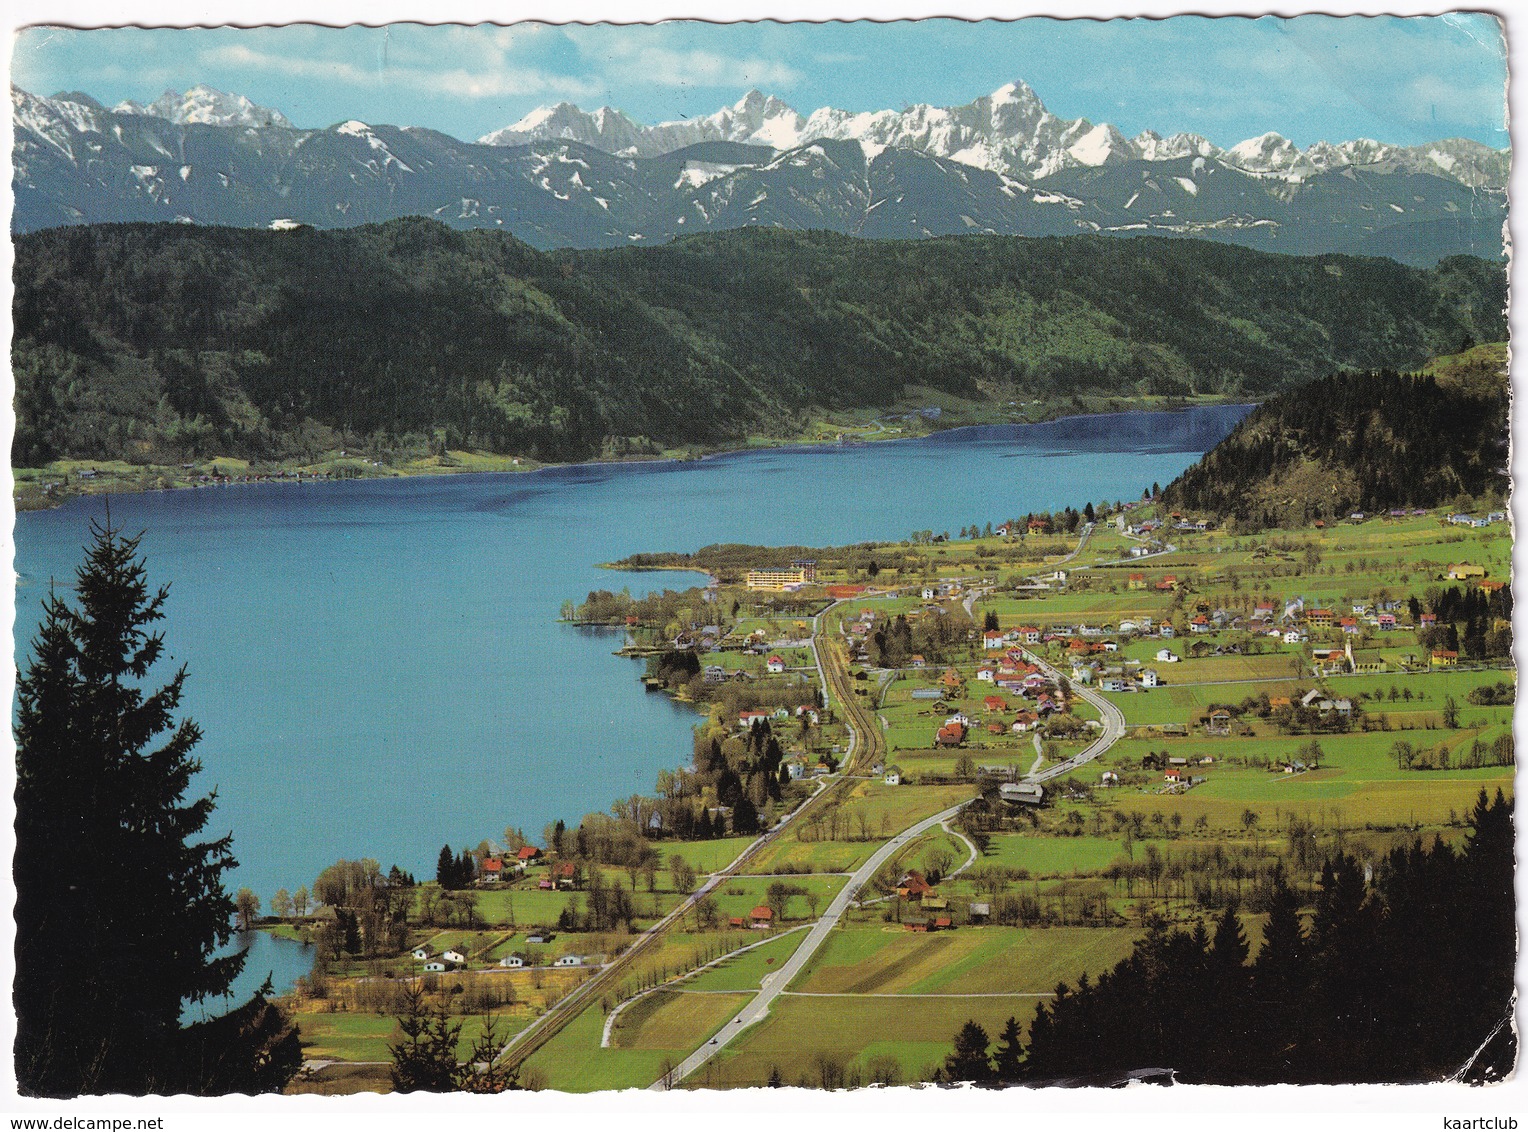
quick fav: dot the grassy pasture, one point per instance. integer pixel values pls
(888, 959)
(916, 1033)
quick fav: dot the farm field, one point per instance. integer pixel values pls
(885, 810)
(744, 972)
(888, 959)
(352, 1036)
(800, 1030)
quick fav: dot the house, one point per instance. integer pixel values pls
(1319, 618)
(1022, 793)
(980, 910)
(538, 938)
(1114, 684)
(1295, 636)
(714, 674)
(1023, 722)
(1200, 624)
(950, 735)
(917, 661)
(1386, 622)
(1350, 626)
(565, 874)
(913, 885)
(992, 640)
(1137, 581)
(893, 776)
(1174, 774)
(746, 719)
(1029, 634)
(1444, 658)
(775, 665)
(1108, 778)
(995, 703)
(1166, 630)
(950, 680)
(569, 961)
(761, 917)
(491, 869)
(434, 966)
(1220, 722)
(987, 673)
(1464, 570)
(1168, 582)
(1149, 678)
(1428, 621)
(1165, 656)
(928, 593)
(527, 854)
(421, 953)
(453, 957)
(512, 961)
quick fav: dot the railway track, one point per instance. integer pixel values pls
(866, 745)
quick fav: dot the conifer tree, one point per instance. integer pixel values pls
(103, 971)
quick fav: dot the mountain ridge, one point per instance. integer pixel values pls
(204, 158)
(175, 341)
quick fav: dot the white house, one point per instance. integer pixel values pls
(893, 776)
(453, 957)
(775, 665)
(1165, 656)
(511, 961)
(569, 961)
(1149, 678)
(433, 966)
(1295, 636)
(928, 593)
(421, 953)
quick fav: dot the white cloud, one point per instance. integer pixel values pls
(652, 64)
(495, 77)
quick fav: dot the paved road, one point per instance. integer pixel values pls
(1113, 721)
(775, 983)
(865, 741)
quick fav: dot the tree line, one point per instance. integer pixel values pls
(165, 342)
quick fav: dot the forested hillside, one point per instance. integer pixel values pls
(165, 342)
(1358, 441)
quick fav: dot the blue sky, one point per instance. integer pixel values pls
(1399, 80)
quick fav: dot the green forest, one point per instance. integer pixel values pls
(164, 343)
(1358, 441)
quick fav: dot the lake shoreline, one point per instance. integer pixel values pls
(124, 479)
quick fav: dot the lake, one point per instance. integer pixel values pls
(376, 664)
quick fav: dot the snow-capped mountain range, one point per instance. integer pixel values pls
(1008, 131)
(1002, 164)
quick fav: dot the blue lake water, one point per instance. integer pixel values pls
(376, 665)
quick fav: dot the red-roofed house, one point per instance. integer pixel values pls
(492, 869)
(995, 703)
(528, 853)
(1137, 581)
(775, 664)
(762, 917)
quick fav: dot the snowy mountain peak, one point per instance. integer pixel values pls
(207, 106)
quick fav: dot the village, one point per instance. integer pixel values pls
(948, 781)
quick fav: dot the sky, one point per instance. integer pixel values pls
(1399, 80)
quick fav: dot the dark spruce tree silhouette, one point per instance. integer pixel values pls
(103, 970)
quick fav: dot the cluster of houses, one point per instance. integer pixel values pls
(1011, 673)
(1461, 520)
(453, 959)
